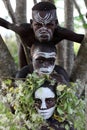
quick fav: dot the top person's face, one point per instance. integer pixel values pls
(43, 25)
(45, 102)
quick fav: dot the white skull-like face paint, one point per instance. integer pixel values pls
(44, 34)
(45, 100)
(44, 24)
(43, 62)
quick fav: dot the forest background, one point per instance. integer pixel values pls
(71, 56)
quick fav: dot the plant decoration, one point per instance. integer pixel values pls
(20, 98)
(70, 107)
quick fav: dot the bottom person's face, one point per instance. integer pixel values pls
(45, 102)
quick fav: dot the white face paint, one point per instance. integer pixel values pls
(44, 67)
(47, 18)
(44, 24)
(44, 33)
(47, 70)
(37, 54)
(43, 94)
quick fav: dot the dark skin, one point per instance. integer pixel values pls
(39, 60)
(50, 102)
(27, 35)
(40, 22)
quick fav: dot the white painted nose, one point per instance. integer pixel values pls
(43, 105)
(43, 29)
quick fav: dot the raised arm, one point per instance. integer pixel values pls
(19, 29)
(64, 33)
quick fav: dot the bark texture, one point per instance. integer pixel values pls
(7, 64)
(68, 8)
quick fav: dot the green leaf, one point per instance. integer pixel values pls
(60, 111)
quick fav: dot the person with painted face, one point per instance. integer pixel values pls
(45, 103)
(43, 58)
(43, 62)
(42, 27)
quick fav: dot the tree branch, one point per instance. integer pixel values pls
(85, 3)
(35, 1)
(7, 65)
(79, 11)
(10, 10)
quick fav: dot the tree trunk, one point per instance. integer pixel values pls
(85, 1)
(80, 66)
(68, 8)
(9, 8)
(21, 11)
(35, 1)
(80, 14)
(52, 1)
(21, 18)
(61, 53)
(86, 107)
(7, 64)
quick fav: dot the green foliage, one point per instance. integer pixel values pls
(69, 107)
(76, 48)
(85, 26)
(12, 46)
(21, 99)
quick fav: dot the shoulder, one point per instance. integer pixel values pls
(26, 28)
(58, 35)
(60, 70)
(24, 71)
(53, 123)
(25, 25)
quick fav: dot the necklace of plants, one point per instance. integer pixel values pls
(18, 96)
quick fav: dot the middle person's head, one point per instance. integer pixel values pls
(43, 58)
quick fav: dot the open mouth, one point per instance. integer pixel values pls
(47, 72)
(44, 36)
